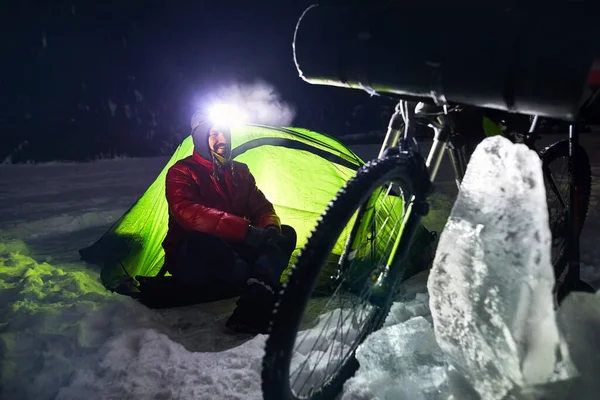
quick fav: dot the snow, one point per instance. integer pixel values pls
(70, 339)
(112, 106)
(145, 364)
(400, 361)
(54, 317)
(579, 318)
(63, 336)
(128, 112)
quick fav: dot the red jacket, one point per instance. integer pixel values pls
(198, 202)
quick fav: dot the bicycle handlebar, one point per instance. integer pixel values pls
(501, 59)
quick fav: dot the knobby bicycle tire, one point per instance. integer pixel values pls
(304, 275)
(583, 181)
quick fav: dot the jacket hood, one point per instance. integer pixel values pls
(200, 136)
(201, 126)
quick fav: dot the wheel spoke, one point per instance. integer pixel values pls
(352, 304)
(353, 312)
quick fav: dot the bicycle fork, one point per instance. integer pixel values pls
(398, 142)
(417, 205)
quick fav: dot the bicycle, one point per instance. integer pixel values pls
(359, 49)
(559, 204)
(399, 174)
(399, 181)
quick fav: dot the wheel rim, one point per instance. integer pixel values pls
(333, 325)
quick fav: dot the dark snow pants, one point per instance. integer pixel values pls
(209, 263)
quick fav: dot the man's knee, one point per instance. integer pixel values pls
(291, 239)
(203, 251)
(290, 234)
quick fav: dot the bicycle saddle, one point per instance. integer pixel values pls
(426, 109)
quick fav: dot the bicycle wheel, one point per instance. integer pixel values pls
(555, 164)
(310, 350)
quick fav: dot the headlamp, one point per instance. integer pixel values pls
(226, 115)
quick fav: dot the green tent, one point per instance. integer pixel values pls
(299, 171)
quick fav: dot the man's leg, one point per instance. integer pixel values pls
(269, 262)
(255, 305)
(209, 264)
(208, 259)
(289, 244)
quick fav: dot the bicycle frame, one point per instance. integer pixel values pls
(572, 275)
(445, 140)
(398, 139)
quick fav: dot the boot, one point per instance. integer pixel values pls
(254, 309)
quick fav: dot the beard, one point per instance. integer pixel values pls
(222, 150)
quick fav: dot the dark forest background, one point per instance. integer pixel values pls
(81, 80)
(86, 79)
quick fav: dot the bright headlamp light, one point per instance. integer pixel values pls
(226, 115)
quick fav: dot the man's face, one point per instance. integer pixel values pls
(218, 141)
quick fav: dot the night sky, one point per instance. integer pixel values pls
(66, 63)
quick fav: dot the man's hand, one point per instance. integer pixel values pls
(274, 236)
(258, 237)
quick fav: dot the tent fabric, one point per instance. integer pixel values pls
(381, 223)
(298, 170)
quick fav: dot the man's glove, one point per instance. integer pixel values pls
(274, 236)
(257, 237)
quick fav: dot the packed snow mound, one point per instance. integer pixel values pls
(403, 311)
(579, 320)
(491, 282)
(401, 361)
(64, 336)
(145, 364)
(52, 320)
(334, 333)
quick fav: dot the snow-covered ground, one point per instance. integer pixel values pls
(63, 336)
